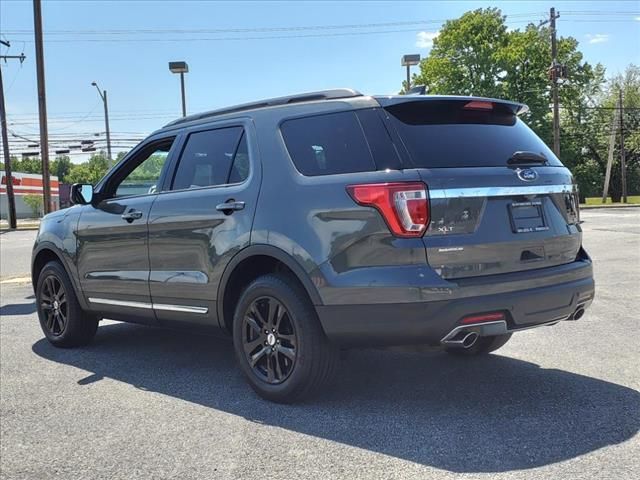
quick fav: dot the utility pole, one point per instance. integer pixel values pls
(623, 165)
(42, 106)
(103, 96)
(11, 200)
(554, 82)
(612, 142)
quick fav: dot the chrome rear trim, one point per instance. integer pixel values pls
(499, 191)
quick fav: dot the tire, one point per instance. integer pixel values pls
(292, 363)
(483, 346)
(62, 320)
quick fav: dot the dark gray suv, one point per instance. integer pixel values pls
(309, 223)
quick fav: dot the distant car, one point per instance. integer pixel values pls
(304, 224)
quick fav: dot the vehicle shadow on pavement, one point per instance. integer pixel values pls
(17, 309)
(490, 414)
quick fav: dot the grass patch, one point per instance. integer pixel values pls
(598, 200)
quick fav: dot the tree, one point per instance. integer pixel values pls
(27, 165)
(476, 55)
(465, 58)
(91, 171)
(586, 131)
(61, 167)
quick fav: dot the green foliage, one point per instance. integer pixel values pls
(91, 171)
(586, 132)
(26, 165)
(466, 56)
(150, 169)
(476, 55)
(35, 202)
(61, 167)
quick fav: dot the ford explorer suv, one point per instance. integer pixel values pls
(306, 224)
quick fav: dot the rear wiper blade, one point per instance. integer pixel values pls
(519, 158)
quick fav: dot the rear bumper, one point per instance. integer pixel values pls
(541, 298)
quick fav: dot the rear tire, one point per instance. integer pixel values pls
(483, 346)
(62, 320)
(279, 343)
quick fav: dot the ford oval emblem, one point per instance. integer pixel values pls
(526, 174)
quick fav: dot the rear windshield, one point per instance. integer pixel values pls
(446, 134)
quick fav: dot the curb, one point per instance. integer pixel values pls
(19, 229)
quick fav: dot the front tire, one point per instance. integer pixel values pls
(483, 346)
(62, 320)
(279, 343)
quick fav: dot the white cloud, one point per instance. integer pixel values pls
(598, 37)
(638, 19)
(425, 39)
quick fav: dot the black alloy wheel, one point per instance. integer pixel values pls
(53, 302)
(61, 317)
(269, 340)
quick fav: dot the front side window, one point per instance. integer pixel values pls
(144, 178)
(213, 157)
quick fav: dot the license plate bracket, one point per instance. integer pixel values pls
(527, 217)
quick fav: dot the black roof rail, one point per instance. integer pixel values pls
(334, 94)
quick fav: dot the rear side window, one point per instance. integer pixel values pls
(451, 134)
(328, 144)
(207, 159)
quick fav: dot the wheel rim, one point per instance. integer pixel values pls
(269, 340)
(53, 305)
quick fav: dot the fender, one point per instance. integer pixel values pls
(269, 251)
(67, 264)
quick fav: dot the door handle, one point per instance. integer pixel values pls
(132, 215)
(230, 206)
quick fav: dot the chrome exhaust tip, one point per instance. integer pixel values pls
(469, 339)
(462, 340)
(577, 315)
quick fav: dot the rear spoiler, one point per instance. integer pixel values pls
(416, 95)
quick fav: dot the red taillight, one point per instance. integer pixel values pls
(484, 317)
(404, 206)
(478, 105)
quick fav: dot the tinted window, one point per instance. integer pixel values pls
(383, 151)
(446, 134)
(240, 167)
(207, 158)
(327, 144)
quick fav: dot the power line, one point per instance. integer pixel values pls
(243, 38)
(252, 29)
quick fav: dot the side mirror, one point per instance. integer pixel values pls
(81, 193)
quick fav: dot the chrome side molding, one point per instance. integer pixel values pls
(150, 306)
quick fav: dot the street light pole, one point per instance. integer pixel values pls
(181, 68)
(408, 61)
(184, 102)
(103, 96)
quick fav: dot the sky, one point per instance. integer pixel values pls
(243, 51)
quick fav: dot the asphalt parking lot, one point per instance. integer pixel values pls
(557, 402)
